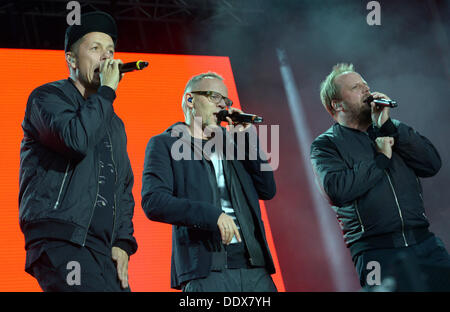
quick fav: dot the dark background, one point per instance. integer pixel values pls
(406, 57)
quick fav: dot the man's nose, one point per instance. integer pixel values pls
(222, 104)
(106, 55)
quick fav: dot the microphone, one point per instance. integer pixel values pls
(127, 67)
(238, 117)
(381, 102)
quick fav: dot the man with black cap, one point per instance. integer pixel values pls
(76, 202)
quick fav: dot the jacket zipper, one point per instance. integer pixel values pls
(359, 217)
(420, 194)
(62, 187)
(418, 187)
(398, 207)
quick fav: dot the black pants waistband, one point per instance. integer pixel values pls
(390, 240)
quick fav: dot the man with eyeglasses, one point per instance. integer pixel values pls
(212, 200)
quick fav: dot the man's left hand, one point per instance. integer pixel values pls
(237, 126)
(120, 257)
(379, 114)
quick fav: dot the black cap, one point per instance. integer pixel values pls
(96, 21)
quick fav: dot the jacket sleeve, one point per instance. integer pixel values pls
(256, 164)
(416, 150)
(125, 239)
(63, 127)
(158, 199)
(340, 183)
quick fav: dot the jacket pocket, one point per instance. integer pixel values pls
(51, 184)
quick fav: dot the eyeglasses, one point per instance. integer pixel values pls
(215, 97)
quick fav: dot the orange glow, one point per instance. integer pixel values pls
(148, 102)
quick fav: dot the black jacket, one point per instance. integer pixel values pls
(59, 169)
(377, 200)
(184, 193)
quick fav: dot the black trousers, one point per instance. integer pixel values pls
(233, 280)
(64, 267)
(421, 267)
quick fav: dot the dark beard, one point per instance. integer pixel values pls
(94, 84)
(363, 116)
(92, 87)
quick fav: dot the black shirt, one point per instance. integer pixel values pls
(101, 226)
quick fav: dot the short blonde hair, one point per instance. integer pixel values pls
(191, 85)
(329, 90)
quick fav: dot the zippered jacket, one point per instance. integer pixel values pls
(378, 201)
(59, 168)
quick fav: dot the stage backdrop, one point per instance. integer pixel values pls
(148, 102)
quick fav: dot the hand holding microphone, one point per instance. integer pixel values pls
(237, 116)
(381, 102)
(380, 105)
(111, 71)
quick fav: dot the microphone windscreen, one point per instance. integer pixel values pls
(369, 99)
(221, 115)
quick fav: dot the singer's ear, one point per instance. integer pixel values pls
(188, 99)
(336, 105)
(71, 60)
